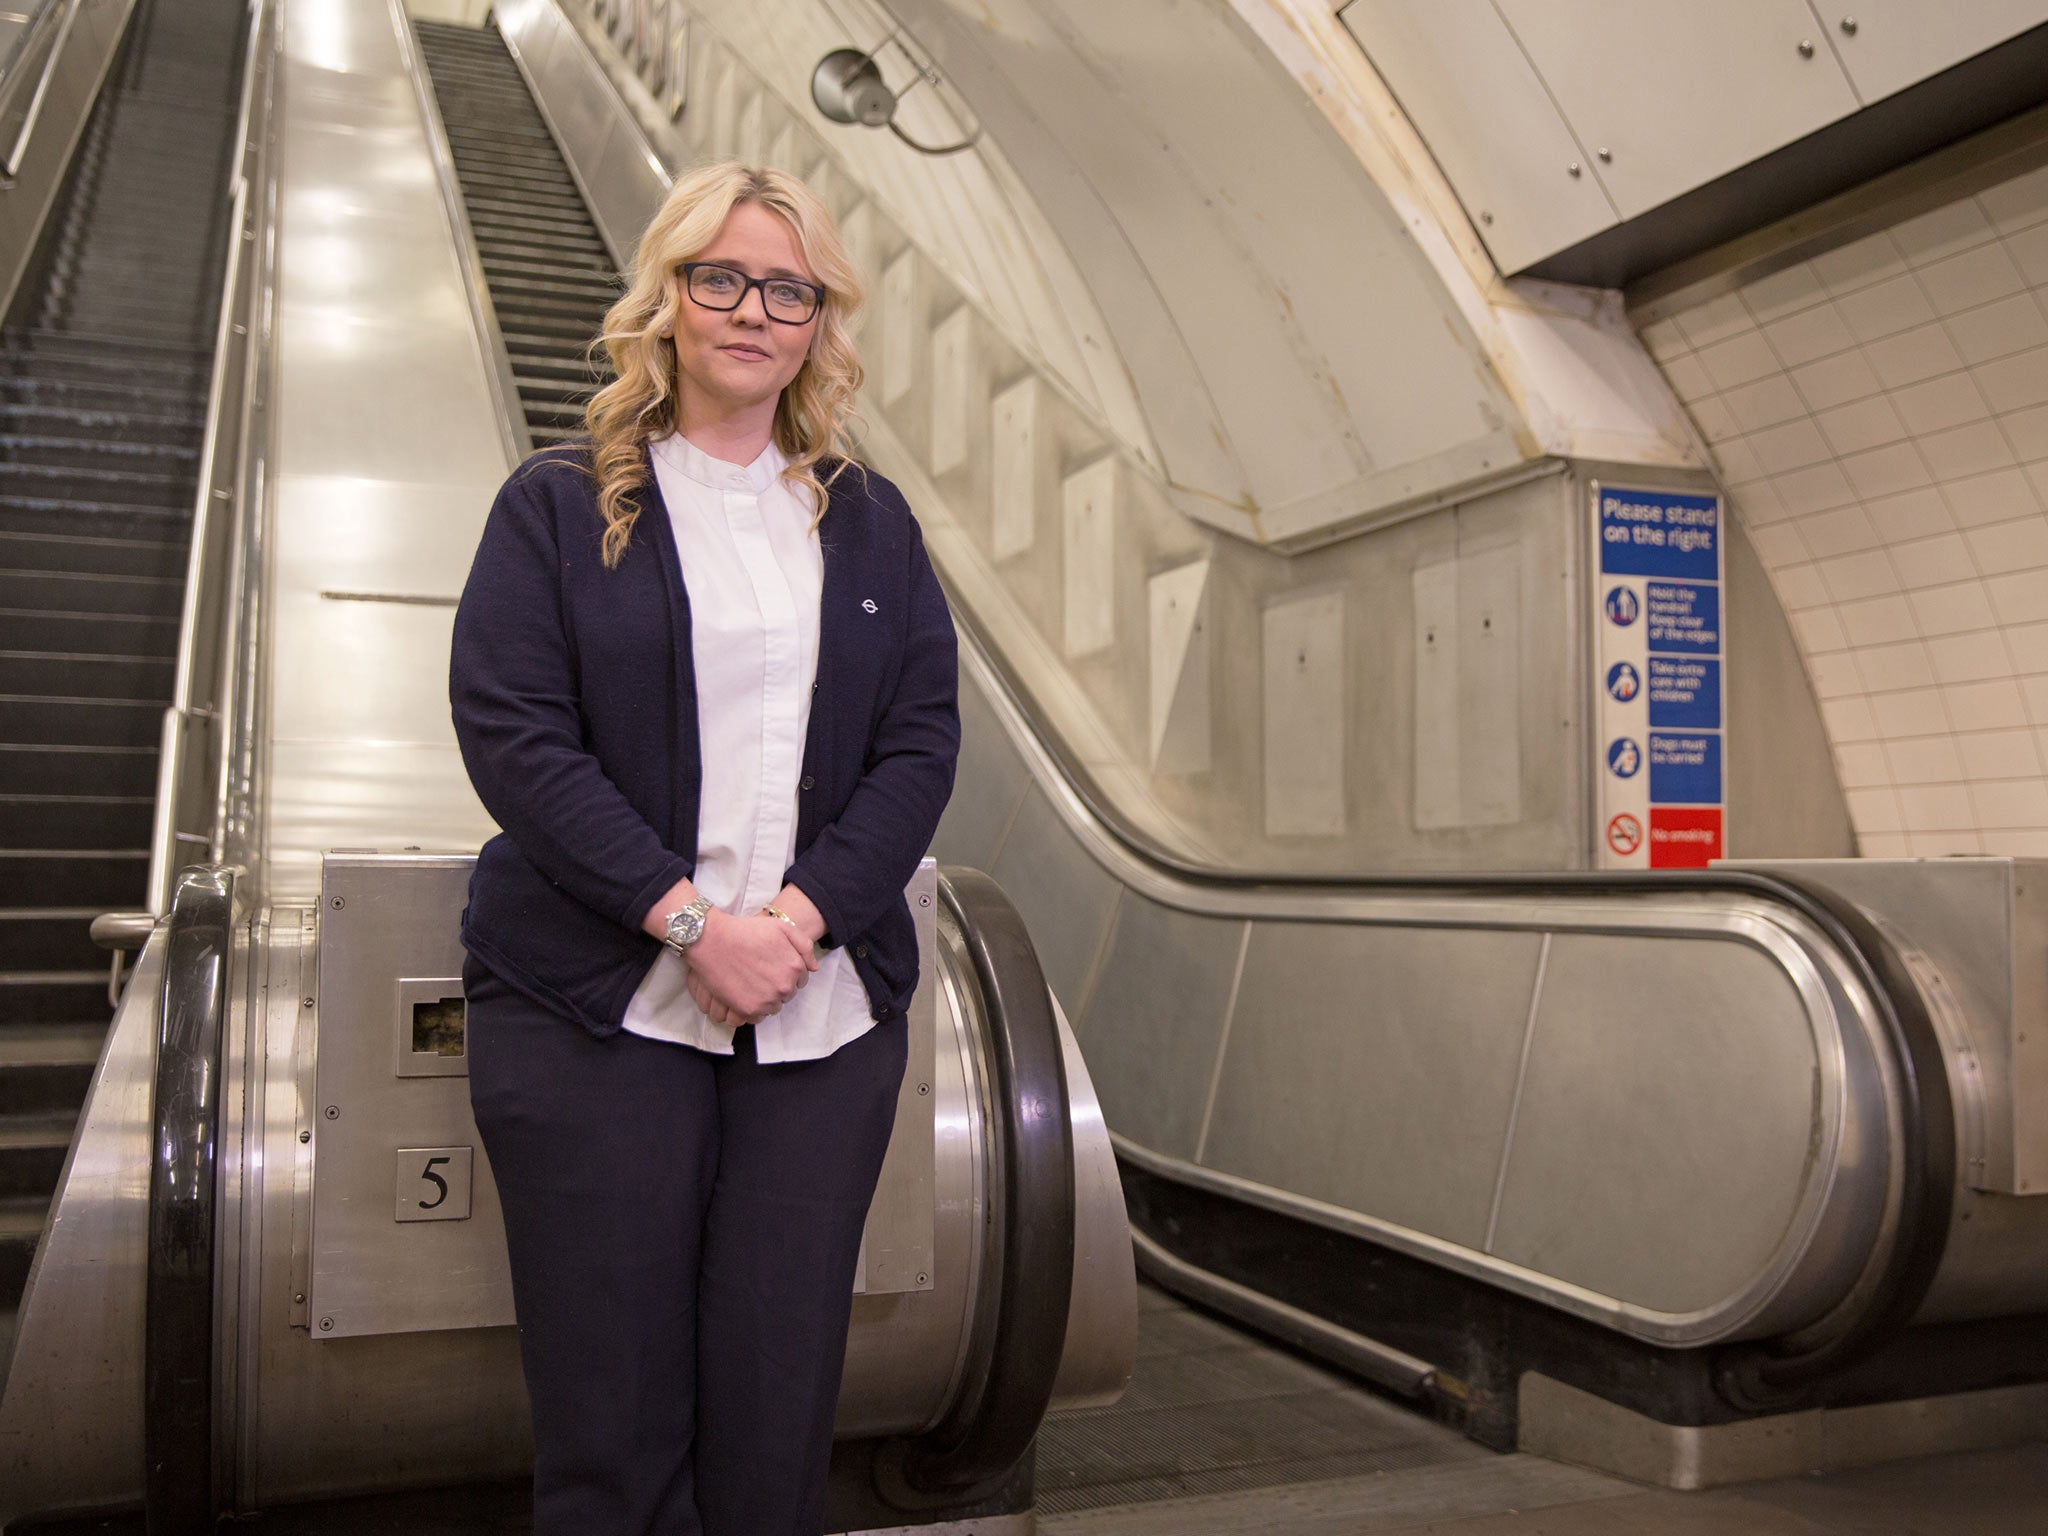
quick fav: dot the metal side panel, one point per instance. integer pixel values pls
(1974, 932)
(44, 117)
(407, 1234)
(1102, 1318)
(1683, 1133)
(619, 174)
(71, 1402)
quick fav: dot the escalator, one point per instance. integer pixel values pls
(1692, 1147)
(104, 370)
(550, 277)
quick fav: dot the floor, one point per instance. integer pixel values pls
(1220, 1433)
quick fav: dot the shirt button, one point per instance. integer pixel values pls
(807, 782)
(860, 951)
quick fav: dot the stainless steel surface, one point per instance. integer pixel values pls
(374, 329)
(490, 343)
(317, 1417)
(122, 930)
(385, 918)
(1975, 931)
(897, 1243)
(71, 1395)
(26, 71)
(1102, 1314)
(1365, 1074)
(52, 93)
(1394, 1369)
(194, 762)
(1567, 1424)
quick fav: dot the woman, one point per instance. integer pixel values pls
(704, 679)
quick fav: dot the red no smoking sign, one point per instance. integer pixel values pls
(1624, 834)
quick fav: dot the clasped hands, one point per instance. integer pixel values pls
(745, 968)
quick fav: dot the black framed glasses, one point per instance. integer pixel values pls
(789, 300)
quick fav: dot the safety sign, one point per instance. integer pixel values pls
(1659, 691)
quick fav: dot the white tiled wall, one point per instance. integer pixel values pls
(1880, 417)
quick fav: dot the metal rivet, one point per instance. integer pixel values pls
(326, 1325)
(924, 901)
(1848, 26)
(338, 903)
(333, 1111)
(304, 1137)
(924, 1088)
(1805, 49)
(1573, 169)
(298, 1298)
(305, 1002)
(1606, 156)
(924, 1279)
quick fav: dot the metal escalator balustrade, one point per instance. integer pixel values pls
(104, 371)
(551, 279)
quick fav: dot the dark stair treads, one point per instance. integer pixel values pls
(97, 634)
(74, 821)
(30, 997)
(92, 554)
(45, 1067)
(90, 591)
(47, 939)
(32, 1148)
(124, 767)
(550, 277)
(112, 880)
(21, 1226)
(89, 727)
(70, 675)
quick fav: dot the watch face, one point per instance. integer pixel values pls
(686, 927)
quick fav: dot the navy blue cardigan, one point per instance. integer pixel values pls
(574, 696)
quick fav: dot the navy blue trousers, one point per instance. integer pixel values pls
(683, 1230)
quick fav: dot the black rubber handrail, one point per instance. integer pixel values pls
(1751, 1377)
(178, 1348)
(1029, 1234)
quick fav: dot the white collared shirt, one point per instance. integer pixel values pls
(754, 572)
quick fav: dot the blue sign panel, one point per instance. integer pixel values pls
(1624, 758)
(1685, 769)
(1685, 693)
(1684, 616)
(1660, 533)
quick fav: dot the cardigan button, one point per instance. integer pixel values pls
(860, 951)
(807, 782)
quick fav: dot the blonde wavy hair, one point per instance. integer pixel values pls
(812, 420)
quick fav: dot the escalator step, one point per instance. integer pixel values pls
(47, 451)
(135, 487)
(37, 997)
(76, 821)
(32, 1148)
(72, 675)
(46, 939)
(100, 634)
(49, 1066)
(83, 723)
(45, 591)
(56, 767)
(21, 1227)
(85, 555)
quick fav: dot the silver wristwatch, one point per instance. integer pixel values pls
(686, 926)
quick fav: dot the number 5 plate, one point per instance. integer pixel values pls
(433, 1183)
